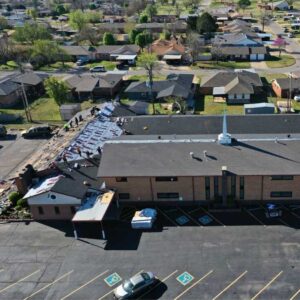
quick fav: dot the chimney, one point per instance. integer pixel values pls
(224, 138)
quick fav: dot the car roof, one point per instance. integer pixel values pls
(137, 279)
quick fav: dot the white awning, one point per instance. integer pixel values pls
(126, 57)
(94, 208)
(219, 90)
(172, 57)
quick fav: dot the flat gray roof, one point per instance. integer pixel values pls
(172, 158)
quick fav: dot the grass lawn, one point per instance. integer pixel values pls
(10, 65)
(206, 106)
(159, 109)
(108, 65)
(222, 65)
(145, 77)
(269, 77)
(280, 62)
(58, 66)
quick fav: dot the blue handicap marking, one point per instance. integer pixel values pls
(182, 220)
(112, 279)
(185, 278)
(205, 219)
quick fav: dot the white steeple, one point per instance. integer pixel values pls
(224, 138)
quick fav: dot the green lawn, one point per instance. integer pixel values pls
(58, 66)
(222, 65)
(206, 106)
(10, 65)
(145, 77)
(109, 65)
(269, 77)
(281, 62)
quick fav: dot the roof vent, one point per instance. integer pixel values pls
(224, 138)
(192, 154)
(205, 154)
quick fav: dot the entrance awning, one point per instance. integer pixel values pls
(218, 90)
(126, 57)
(172, 57)
(94, 208)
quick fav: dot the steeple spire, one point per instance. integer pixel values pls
(224, 138)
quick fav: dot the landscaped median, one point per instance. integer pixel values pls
(280, 62)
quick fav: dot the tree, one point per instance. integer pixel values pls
(32, 13)
(3, 23)
(108, 39)
(35, 4)
(264, 18)
(143, 39)
(148, 61)
(178, 103)
(192, 23)
(143, 19)
(45, 52)
(89, 34)
(78, 20)
(151, 11)
(132, 35)
(280, 43)
(165, 35)
(30, 33)
(194, 45)
(217, 53)
(206, 24)
(57, 90)
(60, 9)
(244, 3)
(94, 16)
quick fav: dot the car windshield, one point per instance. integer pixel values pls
(145, 276)
(128, 286)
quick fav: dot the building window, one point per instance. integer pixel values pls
(167, 195)
(53, 197)
(56, 210)
(242, 187)
(216, 186)
(165, 178)
(124, 196)
(281, 194)
(73, 210)
(41, 210)
(233, 186)
(282, 177)
(207, 188)
(121, 179)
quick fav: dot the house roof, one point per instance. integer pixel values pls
(235, 50)
(162, 47)
(224, 78)
(186, 125)
(7, 86)
(76, 50)
(285, 83)
(164, 157)
(236, 38)
(238, 86)
(117, 49)
(28, 78)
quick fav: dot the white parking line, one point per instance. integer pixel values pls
(46, 286)
(102, 297)
(213, 217)
(230, 285)
(190, 217)
(267, 285)
(194, 210)
(198, 281)
(295, 295)
(291, 212)
(255, 218)
(159, 283)
(284, 223)
(82, 286)
(20, 280)
(166, 216)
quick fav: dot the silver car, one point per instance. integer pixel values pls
(135, 285)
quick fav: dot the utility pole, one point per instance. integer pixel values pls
(25, 100)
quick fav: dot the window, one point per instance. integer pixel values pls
(165, 178)
(56, 210)
(53, 197)
(207, 188)
(121, 179)
(216, 186)
(233, 186)
(242, 187)
(73, 210)
(282, 177)
(124, 196)
(281, 194)
(41, 210)
(167, 195)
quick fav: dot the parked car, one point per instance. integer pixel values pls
(38, 131)
(273, 211)
(286, 30)
(97, 69)
(134, 286)
(80, 62)
(297, 98)
(291, 35)
(3, 131)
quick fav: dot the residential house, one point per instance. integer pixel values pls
(176, 85)
(283, 86)
(94, 86)
(170, 51)
(279, 5)
(85, 53)
(176, 27)
(238, 46)
(10, 93)
(236, 87)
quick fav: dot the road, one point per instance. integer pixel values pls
(15, 151)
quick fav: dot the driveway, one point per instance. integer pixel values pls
(15, 150)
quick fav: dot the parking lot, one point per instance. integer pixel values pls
(206, 255)
(14, 150)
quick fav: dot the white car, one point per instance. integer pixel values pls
(297, 98)
(97, 69)
(134, 286)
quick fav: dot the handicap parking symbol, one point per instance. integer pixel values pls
(185, 278)
(112, 279)
(205, 219)
(182, 220)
